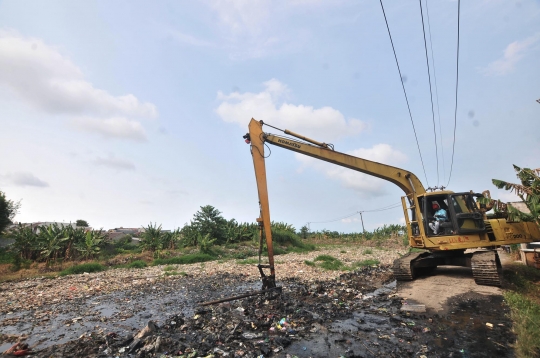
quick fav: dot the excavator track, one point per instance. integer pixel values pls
(403, 268)
(486, 267)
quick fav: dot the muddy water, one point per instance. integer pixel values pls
(357, 315)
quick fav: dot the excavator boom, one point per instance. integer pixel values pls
(466, 226)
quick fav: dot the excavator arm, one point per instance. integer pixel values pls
(467, 226)
(406, 180)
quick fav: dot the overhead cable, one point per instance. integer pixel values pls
(430, 92)
(436, 91)
(389, 207)
(404, 92)
(457, 82)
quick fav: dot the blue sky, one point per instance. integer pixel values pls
(125, 113)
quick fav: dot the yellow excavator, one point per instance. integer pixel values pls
(467, 226)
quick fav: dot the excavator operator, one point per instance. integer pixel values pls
(440, 216)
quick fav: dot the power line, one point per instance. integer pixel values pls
(436, 91)
(404, 92)
(430, 92)
(389, 207)
(331, 221)
(457, 82)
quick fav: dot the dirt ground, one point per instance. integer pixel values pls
(318, 314)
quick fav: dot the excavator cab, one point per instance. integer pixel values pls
(463, 218)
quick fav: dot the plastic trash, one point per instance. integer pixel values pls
(413, 308)
(251, 335)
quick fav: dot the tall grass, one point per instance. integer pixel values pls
(82, 268)
(523, 297)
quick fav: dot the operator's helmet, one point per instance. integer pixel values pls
(435, 206)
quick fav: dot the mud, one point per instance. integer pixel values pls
(355, 315)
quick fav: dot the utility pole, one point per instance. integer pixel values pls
(362, 219)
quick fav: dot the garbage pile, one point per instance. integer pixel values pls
(356, 315)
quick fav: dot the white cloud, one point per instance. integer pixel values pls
(365, 185)
(255, 29)
(40, 75)
(324, 124)
(116, 127)
(512, 54)
(114, 163)
(189, 39)
(24, 179)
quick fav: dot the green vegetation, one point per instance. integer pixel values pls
(329, 262)
(185, 259)
(369, 262)
(368, 252)
(82, 223)
(8, 210)
(378, 235)
(6, 257)
(523, 297)
(208, 236)
(138, 264)
(82, 268)
(528, 191)
(56, 243)
(248, 262)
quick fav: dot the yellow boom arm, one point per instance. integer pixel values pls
(404, 179)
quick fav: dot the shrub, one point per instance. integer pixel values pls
(82, 268)
(184, 260)
(368, 252)
(329, 262)
(369, 262)
(138, 264)
(284, 237)
(6, 257)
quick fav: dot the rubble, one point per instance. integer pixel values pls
(351, 314)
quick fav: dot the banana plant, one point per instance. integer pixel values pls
(91, 246)
(152, 238)
(26, 242)
(51, 241)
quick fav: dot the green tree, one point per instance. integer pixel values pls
(8, 210)
(304, 232)
(152, 238)
(82, 223)
(171, 239)
(528, 191)
(208, 220)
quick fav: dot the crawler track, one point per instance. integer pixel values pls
(403, 268)
(486, 267)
